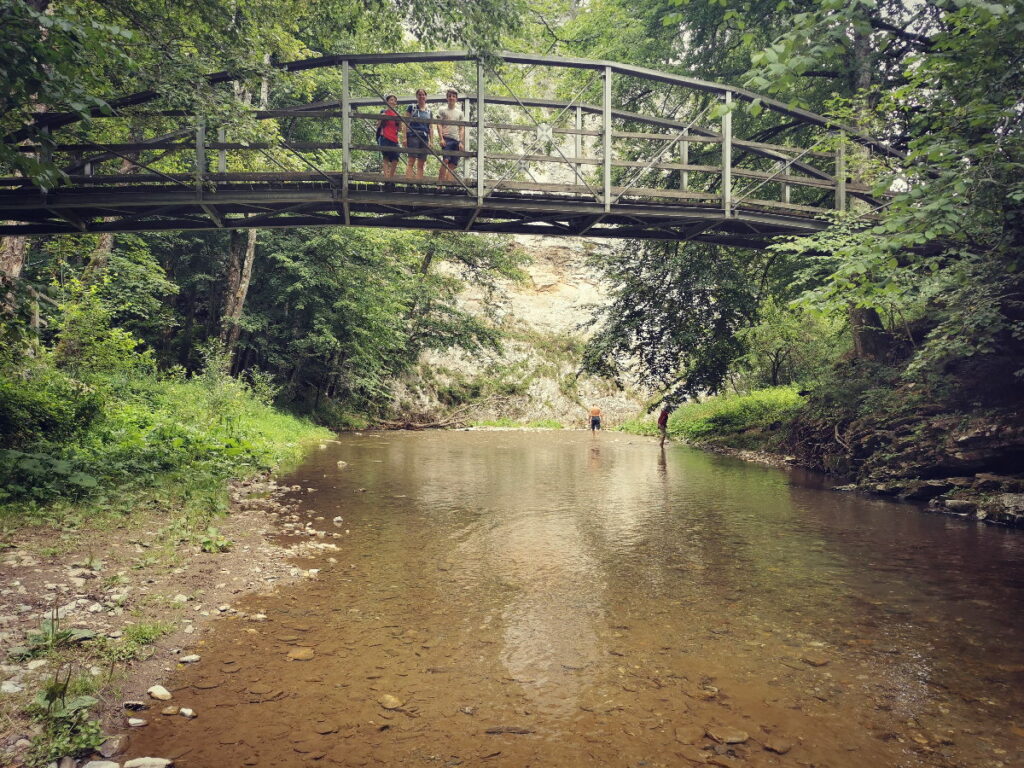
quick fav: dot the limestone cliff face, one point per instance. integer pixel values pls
(535, 378)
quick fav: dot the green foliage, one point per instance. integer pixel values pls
(736, 420)
(49, 637)
(508, 423)
(788, 345)
(675, 314)
(129, 426)
(134, 639)
(213, 542)
(63, 708)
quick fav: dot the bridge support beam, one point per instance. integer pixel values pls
(606, 138)
(346, 140)
(727, 156)
(840, 176)
(200, 155)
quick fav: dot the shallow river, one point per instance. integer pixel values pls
(563, 599)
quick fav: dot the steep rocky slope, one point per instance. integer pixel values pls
(535, 377)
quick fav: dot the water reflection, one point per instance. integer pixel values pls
(603, 591)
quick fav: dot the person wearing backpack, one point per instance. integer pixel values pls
(417, 134)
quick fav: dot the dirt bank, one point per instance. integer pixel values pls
(144, 598)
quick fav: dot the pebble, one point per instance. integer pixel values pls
(36, 663)
(169, 711)
(9, 686)
(301, 654)
(137, 722)
(814, 659)
(186, 712)
(777, 745)
(192, 658)
(389, 702)
(101, 764)
(159, 692)
(149, 762)
(726, 734)
(113, 746)
(689, 734)
(180, 599)
(135, 706)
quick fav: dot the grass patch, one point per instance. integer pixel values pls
(755, 420)
(752, 420)
(513, 424)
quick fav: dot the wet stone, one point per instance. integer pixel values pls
(778, 745)
(815, 659)
(301, 654)
(169, 711)
(689, 734)
(725, 734)
(159, 693)
(389, 702)
(113, 746)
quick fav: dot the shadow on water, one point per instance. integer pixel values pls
(579, 599)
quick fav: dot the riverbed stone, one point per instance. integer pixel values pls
(689, 734)
(149, 762)
(159, 692)
(101, 764)
(814, 659)
(113, 746)
(186, 712)
(137, 722)
(390, 702)
(725, 734)
(301, 654)
(192, 658)
(169, 711)
(778, 745)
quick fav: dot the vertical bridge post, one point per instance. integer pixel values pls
(684, 159)
(727, 156)
(222, 154)
(479, 133)
(346, 138)
(577, 144)
(200, 155)
(841, 175)
(606, 130)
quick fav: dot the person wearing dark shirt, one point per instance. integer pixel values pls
(417, 134)
(663, 423)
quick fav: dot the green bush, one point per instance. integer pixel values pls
(737, 420)
(40, 403)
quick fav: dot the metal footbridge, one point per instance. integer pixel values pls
(617, 151)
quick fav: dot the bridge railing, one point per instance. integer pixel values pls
(588, 148)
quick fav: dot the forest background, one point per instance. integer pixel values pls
(130, 362)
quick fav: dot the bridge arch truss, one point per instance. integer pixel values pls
(586, 164)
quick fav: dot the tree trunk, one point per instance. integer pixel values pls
(869, 338)
(241, 254)
(870, 341)
(12, 261)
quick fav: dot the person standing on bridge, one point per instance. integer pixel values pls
(417, 134)
(452, 138)
(387, 136)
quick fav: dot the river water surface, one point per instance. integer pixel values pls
(564, 599)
